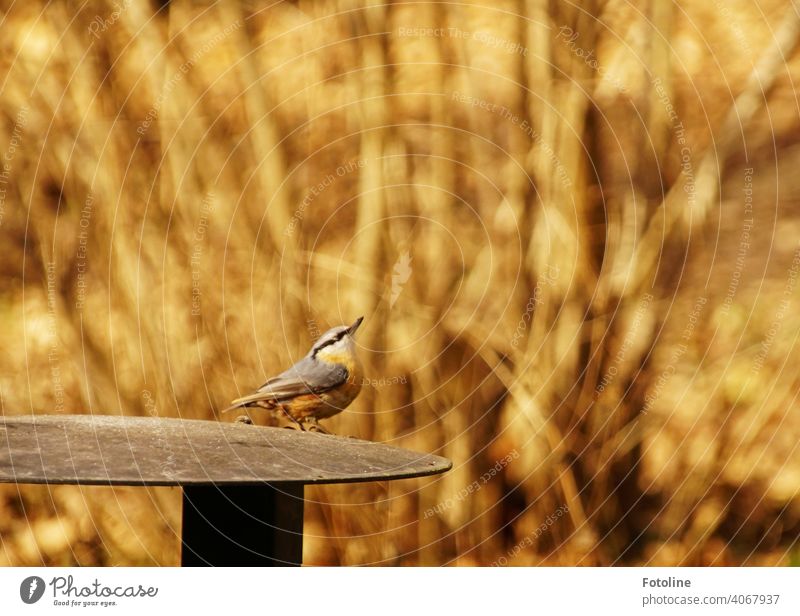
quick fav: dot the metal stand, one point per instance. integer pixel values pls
(242, 526)
(242, 485)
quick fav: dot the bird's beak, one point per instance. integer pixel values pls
(352, 329)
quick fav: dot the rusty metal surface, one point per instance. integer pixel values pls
(116, 450)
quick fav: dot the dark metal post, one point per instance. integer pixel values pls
(242, 526)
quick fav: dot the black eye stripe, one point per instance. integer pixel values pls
(336, 338)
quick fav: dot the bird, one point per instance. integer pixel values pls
(320, 385)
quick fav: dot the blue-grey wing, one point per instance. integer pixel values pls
(308, 376)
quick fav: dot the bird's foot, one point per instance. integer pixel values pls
(298, 425)
(244, 419)
(313, 426)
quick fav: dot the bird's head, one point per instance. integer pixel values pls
(337, 342)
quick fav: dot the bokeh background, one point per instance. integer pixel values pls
(572, 228)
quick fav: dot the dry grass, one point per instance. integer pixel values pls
(650, 395)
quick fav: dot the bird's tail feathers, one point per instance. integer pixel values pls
(247, 401)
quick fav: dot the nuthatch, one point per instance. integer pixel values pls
(319, 386)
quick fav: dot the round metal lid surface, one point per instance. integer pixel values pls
(117, 450)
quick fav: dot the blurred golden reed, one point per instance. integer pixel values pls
(572, 230)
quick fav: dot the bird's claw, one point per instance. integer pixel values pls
(313, 426)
